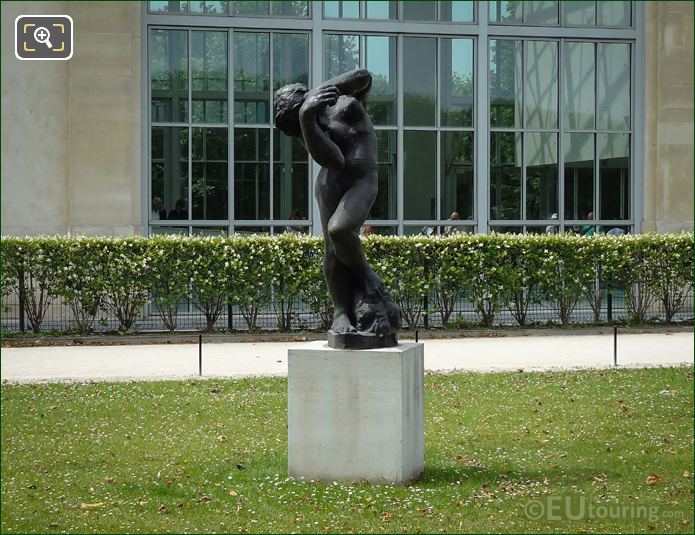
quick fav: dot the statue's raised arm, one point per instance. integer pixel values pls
(357, 83)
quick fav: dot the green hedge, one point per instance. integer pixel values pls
(494, 272)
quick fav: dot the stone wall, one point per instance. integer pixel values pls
(71, 130)
(35, 134)
(669, 165)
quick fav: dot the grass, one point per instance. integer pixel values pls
(210, 456)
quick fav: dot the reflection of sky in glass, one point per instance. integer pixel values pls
(377, 57)
(462, 54)
(377, 9)
(462, 11)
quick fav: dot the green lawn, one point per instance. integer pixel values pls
(210, 456)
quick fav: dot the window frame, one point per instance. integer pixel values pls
(481, 31)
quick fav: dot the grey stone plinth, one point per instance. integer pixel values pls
(356, 414)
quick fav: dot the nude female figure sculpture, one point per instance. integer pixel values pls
(333, 124)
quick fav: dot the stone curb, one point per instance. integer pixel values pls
(302, 336)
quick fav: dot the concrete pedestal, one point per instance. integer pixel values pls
(356, 414)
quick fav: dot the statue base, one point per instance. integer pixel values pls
(360, 340)
(356, 415)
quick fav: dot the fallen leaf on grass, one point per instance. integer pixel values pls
(687, 475)
(221, 438)
(92, 506)
(653, 479)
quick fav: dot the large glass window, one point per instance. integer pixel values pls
(558, 151)
(610, 13)
(239, 8)
(456, 11)
(191, 176)
(524, 79)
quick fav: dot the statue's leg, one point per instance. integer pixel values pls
(343, 231)
(338, 275)
(339, 282)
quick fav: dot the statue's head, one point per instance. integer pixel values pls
(287, 102)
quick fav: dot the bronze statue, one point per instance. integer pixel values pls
(333, 124)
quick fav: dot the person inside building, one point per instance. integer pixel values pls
(179, 211)
(588, 229)
(157, 212)
(452, 229)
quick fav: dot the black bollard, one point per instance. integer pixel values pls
(200, 354)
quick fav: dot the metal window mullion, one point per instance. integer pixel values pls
(316, 75)
(230, 132)
(481, 159)
(561, 136)
(522, 212)
(637, 126)
(271, 155)
(399, 138)
(597, 181)
(146, 129)
(437, 122)
(190, 130)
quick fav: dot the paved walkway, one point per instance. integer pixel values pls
(75, 363)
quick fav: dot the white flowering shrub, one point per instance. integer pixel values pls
(282, 273)
(30, 267)
(291, 257)
(127, 276)
(169, 276)
(401, 265)
(674, 269)
(252, 290)
(212, 266)
(82, 277)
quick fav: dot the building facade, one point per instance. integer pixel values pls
(507, 116)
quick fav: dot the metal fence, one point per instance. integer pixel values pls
(59, 317)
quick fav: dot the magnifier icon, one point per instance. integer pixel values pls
(43, 36)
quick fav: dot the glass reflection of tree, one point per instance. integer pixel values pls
(457, 171)
(505, 183)
(209, 76)
(169, 75)
(251, 77)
